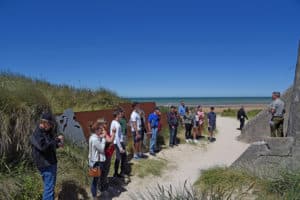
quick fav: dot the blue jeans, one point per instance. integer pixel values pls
(173, 135)
(153, 140)
(96, 179)
(49, 179)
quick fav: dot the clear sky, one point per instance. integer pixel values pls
(154, 47)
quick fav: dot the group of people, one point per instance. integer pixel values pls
(104, 140)
(194, 121)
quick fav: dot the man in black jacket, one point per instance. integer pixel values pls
(44, 146)
(241, 115)
(173, 125)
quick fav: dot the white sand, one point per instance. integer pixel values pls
(187, 161)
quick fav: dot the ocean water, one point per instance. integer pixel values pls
(206, 101)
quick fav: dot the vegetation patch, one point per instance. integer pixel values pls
(233, 113)
(146, 167)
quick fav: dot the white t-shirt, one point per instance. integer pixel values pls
(119, 136)
(135, 117)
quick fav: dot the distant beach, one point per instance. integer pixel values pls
(220, 103)
(206, 101)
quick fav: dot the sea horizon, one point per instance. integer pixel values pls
(205, 101)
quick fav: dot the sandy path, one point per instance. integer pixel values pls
(187, 161)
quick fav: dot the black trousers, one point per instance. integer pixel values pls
(188, 131)
(242, 123)
(120, 158)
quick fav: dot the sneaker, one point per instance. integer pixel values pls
(152, 154)
(136, 157)
(187, 141)
(142, 155)
(196, 141)
(190, 140)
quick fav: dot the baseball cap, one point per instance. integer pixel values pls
(47, 117)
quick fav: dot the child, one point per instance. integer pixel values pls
(201, 116)
(212, 118)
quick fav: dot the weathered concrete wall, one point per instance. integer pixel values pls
(294, 121)
(270, 155)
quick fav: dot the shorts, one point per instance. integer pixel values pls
(136, 140)
(212, 127)
(196, 125)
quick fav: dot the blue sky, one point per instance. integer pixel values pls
(154, 48)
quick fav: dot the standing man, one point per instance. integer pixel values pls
(123, 123)
(116, 129)
(136, 130)
(44, 145)
(212, 120)
(241, 115)
(153, 122)
(173, 125)
(277, 111)
(181, 110)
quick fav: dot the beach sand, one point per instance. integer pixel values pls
(186, 161)
(248, 107)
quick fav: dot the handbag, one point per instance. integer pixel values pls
(94, 172)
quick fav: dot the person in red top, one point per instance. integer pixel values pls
(109, 151)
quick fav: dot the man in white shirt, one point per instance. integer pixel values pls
(136, 130)
(116, 129)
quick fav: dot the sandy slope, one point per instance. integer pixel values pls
(186, 161)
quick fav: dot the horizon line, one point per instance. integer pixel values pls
(199, 97)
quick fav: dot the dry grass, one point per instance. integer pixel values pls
(148, 167)
(61, 97)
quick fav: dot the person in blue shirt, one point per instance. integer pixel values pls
(153, 122)
(212, 118)
(181, 111)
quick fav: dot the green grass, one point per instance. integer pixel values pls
(233, 113)
(23, 181)
(227, 183)
(146, 167)
(60, 97)
(168, 193)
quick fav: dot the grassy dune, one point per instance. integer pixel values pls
(60, 97)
